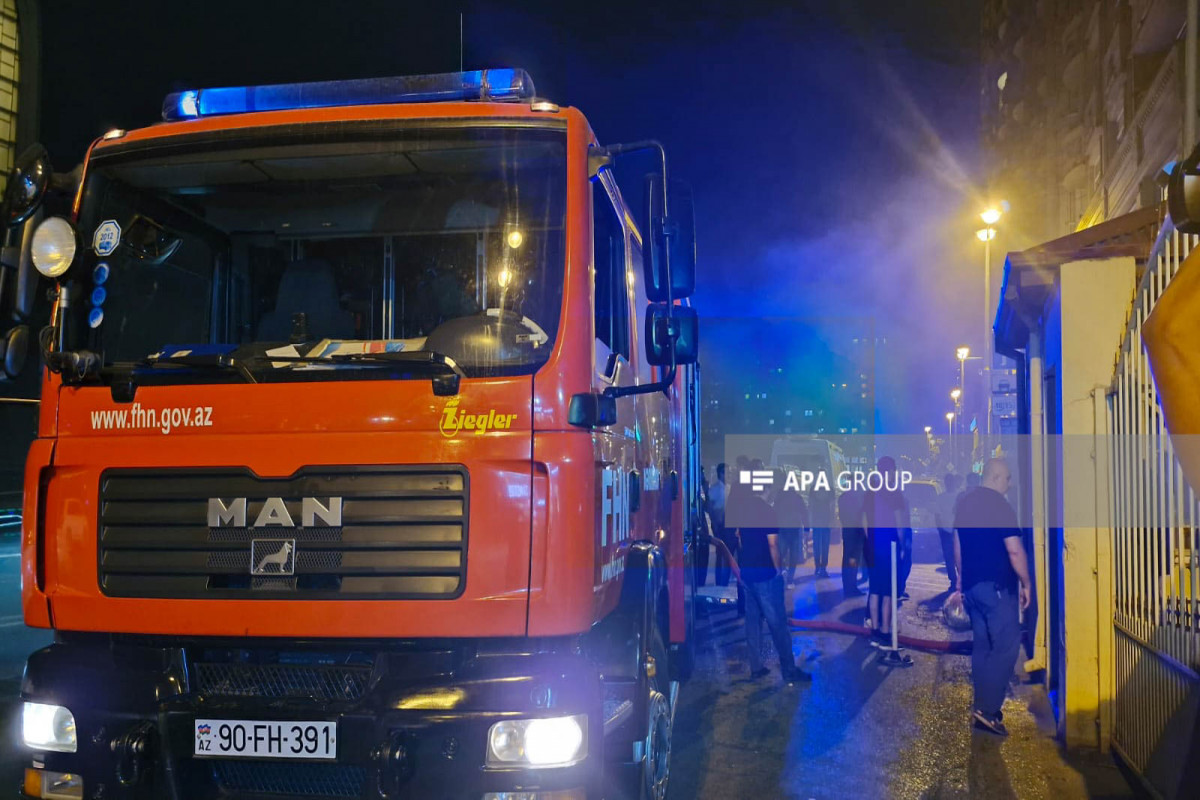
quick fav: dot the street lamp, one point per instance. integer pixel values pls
(990, 217)
(955, 393)
(963, 353)
(928, 429)
(950, 428)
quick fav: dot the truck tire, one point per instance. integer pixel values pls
(656, 767)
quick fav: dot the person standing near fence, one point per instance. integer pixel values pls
(994, 578)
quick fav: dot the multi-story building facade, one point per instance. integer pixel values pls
(1082, 108)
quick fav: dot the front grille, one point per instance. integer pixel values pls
(402, 533)
(287, 681)
(292, 779)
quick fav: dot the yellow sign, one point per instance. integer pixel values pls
(454, 420)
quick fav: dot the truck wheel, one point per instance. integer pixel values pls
(657, 767)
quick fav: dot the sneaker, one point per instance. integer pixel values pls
(993, 725)
(761, 672)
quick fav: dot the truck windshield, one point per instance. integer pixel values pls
(326, 243)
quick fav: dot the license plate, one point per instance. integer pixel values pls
(258, 738)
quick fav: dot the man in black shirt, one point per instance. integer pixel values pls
(759, 562)
(994, 579)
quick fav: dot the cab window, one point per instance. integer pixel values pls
(612, 298)
(640, 304)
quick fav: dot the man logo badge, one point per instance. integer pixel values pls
(273, 557)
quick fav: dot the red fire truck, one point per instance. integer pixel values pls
(366, 461)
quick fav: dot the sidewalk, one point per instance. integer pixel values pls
(865, 730)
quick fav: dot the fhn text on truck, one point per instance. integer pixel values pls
(365, 464)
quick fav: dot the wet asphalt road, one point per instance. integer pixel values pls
(861, 729)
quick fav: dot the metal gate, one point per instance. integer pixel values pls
(1156, 573)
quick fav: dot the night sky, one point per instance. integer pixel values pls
(832, 146)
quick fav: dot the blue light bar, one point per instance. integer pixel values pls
(480, 84)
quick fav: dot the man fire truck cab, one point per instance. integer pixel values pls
(367, 453)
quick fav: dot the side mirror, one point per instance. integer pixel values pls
(27, 184)
(591, 410)
(669, 239)
(14, 347)
(668, 333)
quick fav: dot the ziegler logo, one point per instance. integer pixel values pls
(273, 557)
(454, 420)
(274, 512)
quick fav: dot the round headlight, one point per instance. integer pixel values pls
(54, 246)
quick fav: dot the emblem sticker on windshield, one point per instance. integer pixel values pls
(107, 237)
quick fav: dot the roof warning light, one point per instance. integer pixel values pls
(479, 84)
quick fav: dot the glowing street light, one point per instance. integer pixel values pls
(963, 353)
(928, 429)
(990, 217)
(955, 393)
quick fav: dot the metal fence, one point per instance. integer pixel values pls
(1156, 573)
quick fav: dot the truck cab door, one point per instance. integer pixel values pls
(615, 446)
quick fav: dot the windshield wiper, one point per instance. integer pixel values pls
(222, 361)
(78, 367)
(445, 373)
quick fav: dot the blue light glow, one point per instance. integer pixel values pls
(99, 296)
(480, 84)
(187, 104)
(100, 273)
(95, 317)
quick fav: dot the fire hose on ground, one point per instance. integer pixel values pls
(960, 647)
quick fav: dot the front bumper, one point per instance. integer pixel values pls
(417, 727)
